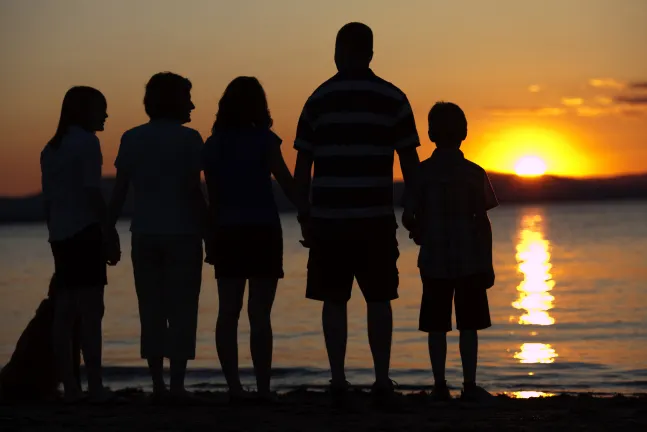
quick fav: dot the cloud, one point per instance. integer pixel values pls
(632, 100)
(638, 85)
(603, 100)
(527, 112)
(612, 110)
(572, 101)
(587, 111)
(535, 88)
(606, 83)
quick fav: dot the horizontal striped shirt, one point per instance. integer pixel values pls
(352, 125)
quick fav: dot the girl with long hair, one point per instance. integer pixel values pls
(246, 241)
(75, 211)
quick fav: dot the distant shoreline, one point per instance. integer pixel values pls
(510, 189)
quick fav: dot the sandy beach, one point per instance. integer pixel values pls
(302, 410)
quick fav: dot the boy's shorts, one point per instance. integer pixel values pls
(470, 300)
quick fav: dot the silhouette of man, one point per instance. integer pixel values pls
(349, 129)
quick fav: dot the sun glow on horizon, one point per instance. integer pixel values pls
(530, 166)
(532, 151)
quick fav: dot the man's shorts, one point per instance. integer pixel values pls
(344, 250)
(470, 300)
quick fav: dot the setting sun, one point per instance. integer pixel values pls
(532, 151)
(530, 166)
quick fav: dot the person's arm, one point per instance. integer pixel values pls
(304, 145)
(196, 146)
(123, 164)
(47, 206)
(484, 226)
(490, 201)
(117, 199)
(284, 178)
(212, 217)
(48, 210)
(409, 163)
(405, 142)
(303, 175)
(91, 163)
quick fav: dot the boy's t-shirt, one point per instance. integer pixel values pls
(453, 190)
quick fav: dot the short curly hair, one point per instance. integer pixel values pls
(161, 95)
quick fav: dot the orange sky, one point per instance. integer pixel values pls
(562, 80)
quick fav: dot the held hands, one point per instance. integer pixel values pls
(306, 232)
(210, 250)
(411, 224)
(111, 246)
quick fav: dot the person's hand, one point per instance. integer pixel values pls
(111, 247)
(306, 232)
(409, 220)
(411, 224)
(415, 236)
(209, 250)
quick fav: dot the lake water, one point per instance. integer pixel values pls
(569, 309)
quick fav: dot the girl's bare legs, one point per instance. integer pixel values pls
(259, 309)
(230, 297)
(65, 313)
(90, 301)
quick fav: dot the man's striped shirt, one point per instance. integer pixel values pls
(352, 124)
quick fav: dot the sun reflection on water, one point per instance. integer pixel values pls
(533, 258)
(536, 353)
(535, 299)
(529, 394)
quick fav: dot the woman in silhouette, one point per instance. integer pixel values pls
(75, 210)
(246, 241)
(161, 160)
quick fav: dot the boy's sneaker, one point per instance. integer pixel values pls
(385, 399)
(476, 394)
(440, 393)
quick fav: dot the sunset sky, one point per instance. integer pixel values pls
(561, 80)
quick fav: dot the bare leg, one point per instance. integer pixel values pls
(92, 309)
(380, 330)
(156, 369)
(178, 373)
(335, 327)
(259, 309)
(230, 295)
(65, 312)
(438, 355)
(469, 346)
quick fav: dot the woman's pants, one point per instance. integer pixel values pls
(168, 275)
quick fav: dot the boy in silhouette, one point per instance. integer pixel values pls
(447, 216)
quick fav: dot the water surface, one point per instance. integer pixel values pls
(568, 309)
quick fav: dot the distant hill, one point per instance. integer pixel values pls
(509, 188)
